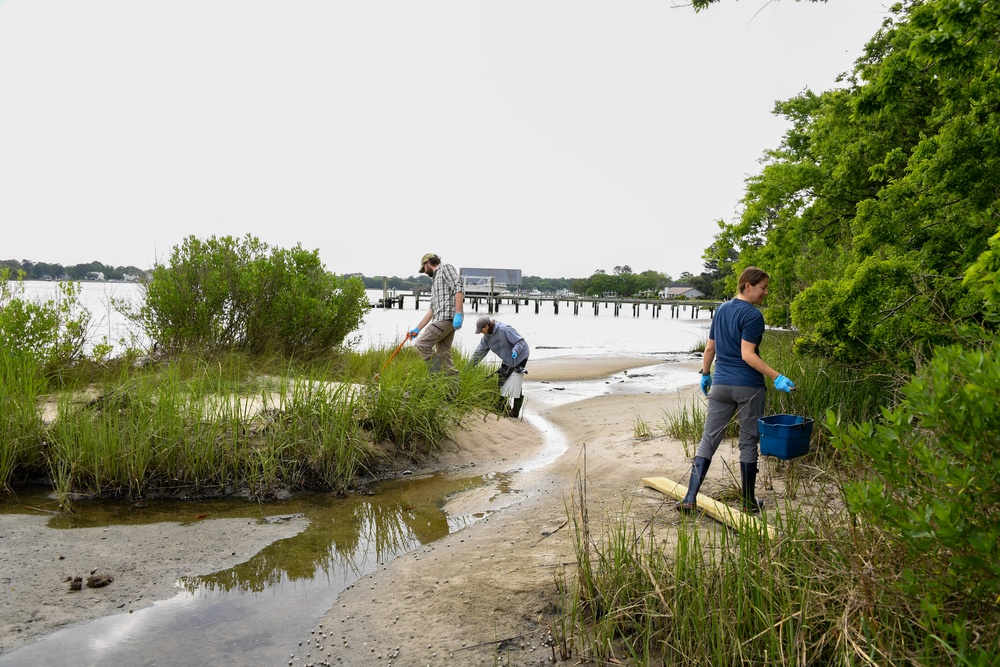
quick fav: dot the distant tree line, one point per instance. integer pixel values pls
(46, 271)
(622, 281)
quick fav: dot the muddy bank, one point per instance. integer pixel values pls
(145, 561)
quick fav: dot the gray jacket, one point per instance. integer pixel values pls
(502, 342)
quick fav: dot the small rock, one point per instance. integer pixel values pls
(99, 580)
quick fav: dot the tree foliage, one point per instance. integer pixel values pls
(49, 332)
(885, 193)
(934, 476)
(622, 282)
(227, 293)
(878, 218)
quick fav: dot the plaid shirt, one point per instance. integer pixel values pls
(446, 283)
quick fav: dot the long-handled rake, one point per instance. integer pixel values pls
(398, 348)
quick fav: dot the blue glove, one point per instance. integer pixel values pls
(513, 355)
(414, 332)
(706, 383)
(457, 322)
(781, 383)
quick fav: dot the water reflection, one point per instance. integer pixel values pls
(359, 533)
(295, 580)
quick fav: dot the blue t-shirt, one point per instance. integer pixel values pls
(736, 321)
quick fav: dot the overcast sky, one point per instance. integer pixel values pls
(555, 137)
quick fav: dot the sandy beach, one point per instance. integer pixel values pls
(446, 603)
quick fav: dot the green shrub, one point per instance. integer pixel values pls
(37, 339)
(934, 477)
(227, 293)
(51, 331)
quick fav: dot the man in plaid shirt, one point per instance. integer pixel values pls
(436, 331)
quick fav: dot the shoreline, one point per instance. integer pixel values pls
(440, 594)
(554, 369)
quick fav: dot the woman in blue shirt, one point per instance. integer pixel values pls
(737, 386)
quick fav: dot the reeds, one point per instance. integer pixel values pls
(698, 593)
(22, 385)
(229, 425)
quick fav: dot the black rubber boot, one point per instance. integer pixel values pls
(699, 468)
(748, 473)
(515, 409)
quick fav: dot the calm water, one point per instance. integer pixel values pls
(549, 335)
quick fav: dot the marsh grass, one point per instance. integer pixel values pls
(699, 593)
(641, 429)
(825, 592)
(685, 424)
(22, 384)
(230, 424)
(854, 395)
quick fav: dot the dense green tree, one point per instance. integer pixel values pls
(884, 193)
(713, 279)
(651, 282)
(623, 282)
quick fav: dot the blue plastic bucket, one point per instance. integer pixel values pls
(784, 436)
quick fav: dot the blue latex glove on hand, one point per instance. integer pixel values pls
(414, 332)
(706, 384)
(513, 354)
(781, 383)
(457, 322)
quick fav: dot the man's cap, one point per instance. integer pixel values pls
(428, 257)
(482, 322)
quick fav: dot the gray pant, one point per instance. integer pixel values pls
(434, 345)
(723, 403)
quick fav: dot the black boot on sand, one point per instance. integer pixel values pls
(699, 468)
(748, 473)
(515, 409)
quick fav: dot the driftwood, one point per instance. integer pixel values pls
(713, 508)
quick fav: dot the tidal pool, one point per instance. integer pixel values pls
(250, 613)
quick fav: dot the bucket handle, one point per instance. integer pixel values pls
(789, 409)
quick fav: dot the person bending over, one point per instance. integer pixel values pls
(505, 342)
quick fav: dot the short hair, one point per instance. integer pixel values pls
(751, 275)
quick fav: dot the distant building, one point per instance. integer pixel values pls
(511, 278)
(682, 292)
(95, 275)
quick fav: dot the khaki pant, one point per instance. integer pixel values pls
(434, 345)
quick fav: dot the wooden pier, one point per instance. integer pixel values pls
(614, 306)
